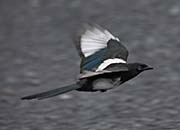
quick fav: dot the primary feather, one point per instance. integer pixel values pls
(94, 39)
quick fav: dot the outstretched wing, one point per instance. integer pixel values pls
(98, 49)
(113, 68)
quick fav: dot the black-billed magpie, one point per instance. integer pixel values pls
(104, 64)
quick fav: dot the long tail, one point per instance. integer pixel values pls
(52, 93)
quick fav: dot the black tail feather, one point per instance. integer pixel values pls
(51, 93)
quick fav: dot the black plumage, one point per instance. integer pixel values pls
(104, 64)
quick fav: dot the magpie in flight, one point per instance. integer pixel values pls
(103, 64)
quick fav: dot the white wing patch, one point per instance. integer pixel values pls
(108, 62)
(94, 39)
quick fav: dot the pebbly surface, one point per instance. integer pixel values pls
(37, 54)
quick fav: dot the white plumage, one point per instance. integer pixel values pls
(108, 62)
(94, 39)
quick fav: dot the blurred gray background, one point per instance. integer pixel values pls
(37, 54)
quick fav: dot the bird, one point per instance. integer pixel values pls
(103, 64)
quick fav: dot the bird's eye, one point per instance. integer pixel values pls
(139, 68)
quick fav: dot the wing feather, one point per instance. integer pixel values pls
(113, 68)
(94, 39)
(99, 48)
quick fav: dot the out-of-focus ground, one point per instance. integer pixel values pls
(37, 54)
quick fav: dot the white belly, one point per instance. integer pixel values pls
(103, 83)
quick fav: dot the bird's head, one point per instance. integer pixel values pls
(136, 68)
(140, 67)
